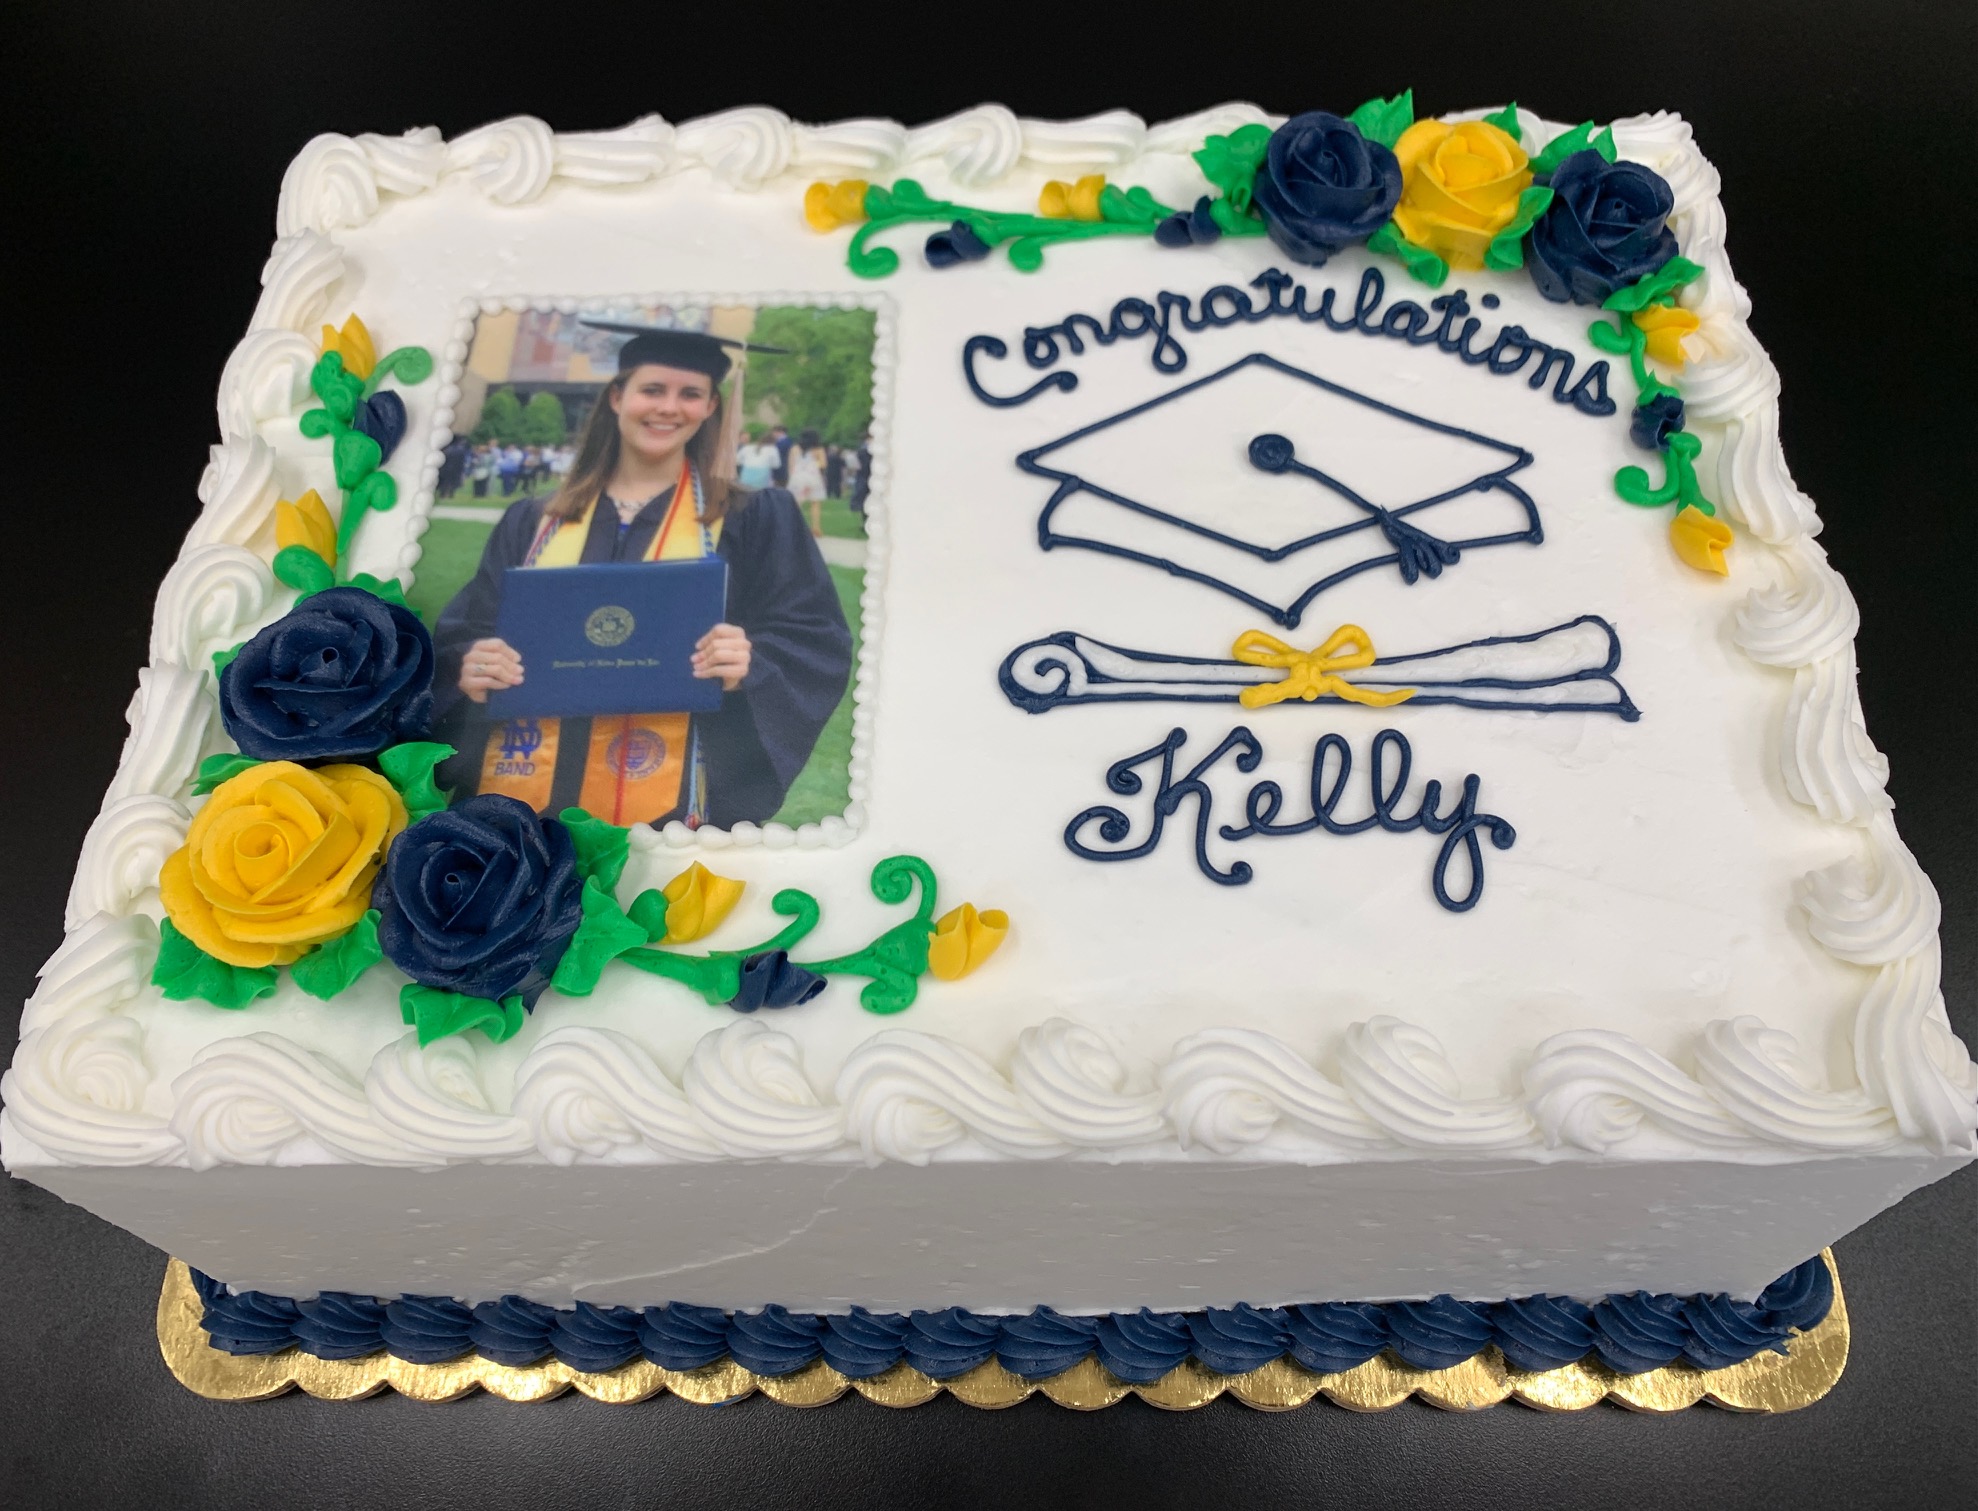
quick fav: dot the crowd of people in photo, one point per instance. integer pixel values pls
(769, 456)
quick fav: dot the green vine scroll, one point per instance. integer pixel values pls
(892, 964)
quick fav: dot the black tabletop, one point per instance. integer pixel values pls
(142, 170)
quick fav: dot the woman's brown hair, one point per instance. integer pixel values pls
(597, 459)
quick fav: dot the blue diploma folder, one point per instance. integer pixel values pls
(610, 639)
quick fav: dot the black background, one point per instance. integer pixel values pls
(142, 167)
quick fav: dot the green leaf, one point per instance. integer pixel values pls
(1564, 146)
(330, 968)
(1422, 264)
(648, 911)
(356, 457)
(601, 848)
(436, 1013)
(315, 423)
(910, 199)
(1603, 143)
(377, 491)
(409, 768)
(1235, 222)
(1231, 162)
(1383, 121)
(183, 972)
(1657, 286)
(216, 769)
(224, 659)
(1507, 248)
(303, 569)
(387, 588)
(409, 364)
(1131, 207)
(340, 391)
(1506, 121)
(878, 202)
(604, 935)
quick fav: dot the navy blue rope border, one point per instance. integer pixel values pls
(1630, 1333)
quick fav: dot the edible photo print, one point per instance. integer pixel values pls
(646, 558)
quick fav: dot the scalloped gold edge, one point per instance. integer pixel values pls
(1768, 1382)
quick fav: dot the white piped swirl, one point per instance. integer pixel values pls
(510, 161)
(978, 147)
(742, 148)
(296, 281)
(117, 872)
(210, 600)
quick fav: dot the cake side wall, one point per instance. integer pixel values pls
(1081, 1236)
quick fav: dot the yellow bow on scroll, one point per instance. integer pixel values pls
(1313, 674)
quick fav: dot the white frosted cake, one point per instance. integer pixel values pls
(1327, 593)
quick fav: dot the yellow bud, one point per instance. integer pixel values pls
(1084, 197)
(353, 344)
(1054, 200)
(1665, 325)
(1701, 540)
(829, 206)
(306, 522)
(696, 902)
(963, 939)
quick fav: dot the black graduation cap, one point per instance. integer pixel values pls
(1272, 484)
(695, 351)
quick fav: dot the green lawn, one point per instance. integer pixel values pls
(452, 550)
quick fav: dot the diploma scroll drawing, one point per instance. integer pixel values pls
(1351, 484)
(1568, 668)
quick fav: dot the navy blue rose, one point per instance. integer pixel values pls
(1323, 186)
(1655, 421)
(339, 677)
(481, 898)
(772, 979)
(1607, 227)
(958, 243)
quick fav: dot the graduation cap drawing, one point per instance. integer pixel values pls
(1272, 484)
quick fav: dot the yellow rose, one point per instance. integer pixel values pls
(1459, 187)
(279, 859)
(353, 344)
(963, 939)
(306, 522)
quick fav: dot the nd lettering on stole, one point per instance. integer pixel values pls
(636, 764)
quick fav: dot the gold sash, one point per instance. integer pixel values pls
(636, 763)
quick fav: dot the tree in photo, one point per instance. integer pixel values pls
(825, 383)
(501, 419)
(542, 422)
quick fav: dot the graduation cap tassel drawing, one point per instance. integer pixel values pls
(1193, 483)
(1417, 553)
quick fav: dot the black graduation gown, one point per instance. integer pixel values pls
(779, 592)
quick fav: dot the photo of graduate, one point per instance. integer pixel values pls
(653, 480)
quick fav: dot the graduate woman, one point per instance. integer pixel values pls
(642, 488)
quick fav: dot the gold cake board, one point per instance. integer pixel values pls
(1767, 1382)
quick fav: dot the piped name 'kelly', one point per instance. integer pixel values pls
(1263, 807)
